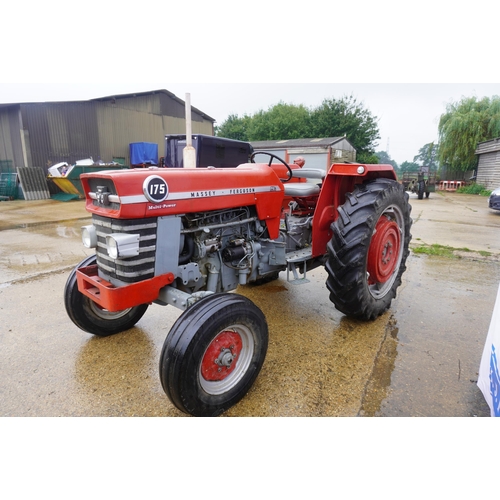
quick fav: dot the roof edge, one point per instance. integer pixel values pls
(152, 92)
(488, 146)
(116, 96)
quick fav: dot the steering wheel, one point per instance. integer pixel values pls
(271, 156)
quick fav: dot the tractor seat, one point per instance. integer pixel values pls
(301, 190)
(309, 173)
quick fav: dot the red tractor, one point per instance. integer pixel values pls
(187, 237)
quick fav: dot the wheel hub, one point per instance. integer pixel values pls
(226, 358)
(221, 356)
(384, 251)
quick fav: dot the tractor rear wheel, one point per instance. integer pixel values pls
(369, 248)
(91, 318)
(421, 190)
(213, 354)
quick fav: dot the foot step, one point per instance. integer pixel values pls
(296, 257)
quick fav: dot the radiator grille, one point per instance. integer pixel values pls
(132, 269)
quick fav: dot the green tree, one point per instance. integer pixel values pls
(234, 127)
(385, 159)
(281, 121)
(409, 166)
(347, 117)
(464, 125)
(368, 158)
(428, 156)
(333, 118)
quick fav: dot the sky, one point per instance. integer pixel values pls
(52, 51)
(407, 113)
(62, 54)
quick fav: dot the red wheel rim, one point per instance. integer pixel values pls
(383, 255)
(221, 357)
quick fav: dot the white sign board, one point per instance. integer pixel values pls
(489, 376)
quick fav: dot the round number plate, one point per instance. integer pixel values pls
(155, 189)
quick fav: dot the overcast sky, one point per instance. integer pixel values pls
(105, 49)
(76, 51)
(408, 114)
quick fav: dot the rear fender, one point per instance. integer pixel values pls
(340, 180)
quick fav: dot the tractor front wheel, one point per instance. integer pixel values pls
(213, 354)
(369, 248)
(91, 318)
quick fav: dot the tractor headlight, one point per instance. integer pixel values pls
(122, 245)
(89, 236)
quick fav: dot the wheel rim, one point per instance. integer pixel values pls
(105, 314)
(226, 359)
(385, 252)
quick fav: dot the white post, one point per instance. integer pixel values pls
(189, 153)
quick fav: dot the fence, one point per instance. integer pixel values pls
(8, 186)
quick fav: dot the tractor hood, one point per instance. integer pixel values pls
(159, 192)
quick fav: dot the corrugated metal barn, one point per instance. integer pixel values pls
(318, 153)
(44, 134)
(488, 169)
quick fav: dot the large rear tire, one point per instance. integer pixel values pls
(369, 248)
(91, 318)
(213, 354)
(421, 190)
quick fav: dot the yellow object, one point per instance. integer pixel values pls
(66, 186)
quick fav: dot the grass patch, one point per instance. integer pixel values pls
(474, 189)
(436, 250)
(484, 253)
(445, 251)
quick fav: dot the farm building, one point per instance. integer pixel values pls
(48, 133)
(488, 168)
(318, 153)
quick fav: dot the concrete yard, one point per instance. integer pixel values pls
(419, 359)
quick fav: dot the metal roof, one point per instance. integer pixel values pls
(298, 143)
(153, 92)
(488, 146)
(125, 96)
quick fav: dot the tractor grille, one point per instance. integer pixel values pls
(132, 269)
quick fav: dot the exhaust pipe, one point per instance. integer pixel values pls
(189, 153)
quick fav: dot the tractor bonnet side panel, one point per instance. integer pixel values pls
(143, 193)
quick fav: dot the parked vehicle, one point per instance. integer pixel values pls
(494, 200)
(422, 183)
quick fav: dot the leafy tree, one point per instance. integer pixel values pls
(234, 128)
(367, 158)
(385, 159)
(409, 166)
(463, 126)
(281, 121)
(347, 117)
(333, 118)
(427, 156)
